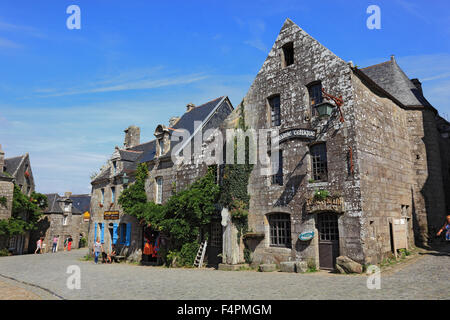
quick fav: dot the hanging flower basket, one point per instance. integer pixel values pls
(27, 174)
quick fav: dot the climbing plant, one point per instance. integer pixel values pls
(26, 212)
(182, 217)
(233, 193)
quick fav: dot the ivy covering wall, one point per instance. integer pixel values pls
(26, 212)
(187, 213)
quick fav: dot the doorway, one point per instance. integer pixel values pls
(327, 225)
(214, 248)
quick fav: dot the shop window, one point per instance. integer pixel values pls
(315, 95)
(288, 54)
(280, 230)
(158, 191)
(277, 178)
(319, 162)
(275, 112)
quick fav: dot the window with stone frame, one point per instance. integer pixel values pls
(275, 111)
(315, 95)
(288, 54)
(277, 178)
(161, 147)
(113, 194)
(65, 220)
(158, 190)
(114, 163)
(318, 154)
(280, 230)
(103, 196)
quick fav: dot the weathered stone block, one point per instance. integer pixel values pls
(301, 266)
(232, 267)
(288, 266)
(267, 267)
(348, 265)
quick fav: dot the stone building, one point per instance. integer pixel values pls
(66, 216)
(381, 160)
(15, 170)
(109, 223)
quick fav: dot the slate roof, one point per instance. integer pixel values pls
(53, 206)
(389, 76)
(146, 152)
(11, 164)
(197, 114)
(81, 202)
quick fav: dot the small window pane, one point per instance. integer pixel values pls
(274, 103)
(280, 230)
(319, 162)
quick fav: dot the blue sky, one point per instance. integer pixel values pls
(67, 95)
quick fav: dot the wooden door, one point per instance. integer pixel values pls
(327, 224)
(214, 247)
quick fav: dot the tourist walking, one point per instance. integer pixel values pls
(97, 249)
(445, 228)
(69, 243)
(38, 246)
(55, 244)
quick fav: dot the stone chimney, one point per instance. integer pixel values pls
(190, 107)
(132, 136)
(2, 159)
(418, 84)
(173, 121)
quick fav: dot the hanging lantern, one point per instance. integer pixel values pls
(324, 109)
(125, 179)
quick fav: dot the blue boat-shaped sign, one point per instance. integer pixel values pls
(305, 236)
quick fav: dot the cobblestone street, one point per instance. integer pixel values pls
(426, 277)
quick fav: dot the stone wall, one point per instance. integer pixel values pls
(312, 62)
(7, 191)
(385, 161)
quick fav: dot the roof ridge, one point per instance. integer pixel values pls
(376, 65)
(202, 105)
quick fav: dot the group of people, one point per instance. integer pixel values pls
(40, 245)
(106, 257)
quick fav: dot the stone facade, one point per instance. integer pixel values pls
(383, 160)
(63, 218)
(197, 120)
(16, 170)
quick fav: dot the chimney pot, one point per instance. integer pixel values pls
(67, 194)
(2, 159)
(189, 107)
(132, 136)
(418, 84)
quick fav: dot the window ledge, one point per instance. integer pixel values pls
(318, 184)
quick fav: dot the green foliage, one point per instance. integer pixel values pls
(83, 242)
(321, 195)
(3, 201)
(26, 212)
(4, 252)
(182, 217)
(234, 194)
(311, 265)
(248, 255)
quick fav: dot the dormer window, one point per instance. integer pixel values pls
(114, 163)
(161, 147)
(287, 54)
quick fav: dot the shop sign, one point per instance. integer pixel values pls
(297, 134)
(111, 215)
(306, 236)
